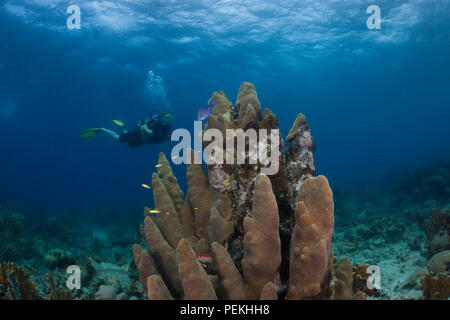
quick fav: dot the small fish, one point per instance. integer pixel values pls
(146, 186)
(174, 157)
(204, 112)
(155, 211)
(119, 123)
(159, 165)
(204, 265)
(204, 258)
(195, 208)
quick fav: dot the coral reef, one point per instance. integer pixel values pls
(57, 258)
(270, 236)
(385, 226)
(343, 283)
(435, 276)
(436, 287)
(14, 237)
(428, 182)
(437, 228)
(14, 284)
(440, 262)
(57, 293)
(360, 277)
(44, 245)
(50, 242)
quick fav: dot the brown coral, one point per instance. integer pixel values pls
(262, 247)
(231, 278)
(343, 285)
(311, 244)
(436, 287)
(196, 283)
(360, 277)
(439, 220)
(57, 293)
(157, 289)
(14, 283)
(440, 262)
(144, 264)
(243, 218)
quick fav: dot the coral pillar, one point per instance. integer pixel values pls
(262, 256)
(311, 243)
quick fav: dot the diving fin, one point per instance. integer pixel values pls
(89, 133)
(119, 123)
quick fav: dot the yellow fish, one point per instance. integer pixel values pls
(146, 186)
(119, 123)
(174, 157)
(155, 211)
(158, 165)
(205, 265)
(195, 208)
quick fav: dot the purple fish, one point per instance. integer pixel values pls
(204, 112)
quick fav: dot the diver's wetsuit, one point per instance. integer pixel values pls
(138, 137)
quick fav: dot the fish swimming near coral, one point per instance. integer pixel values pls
(204, 258)
(155, 211)
(204, 112)
(146, 186)
(158, 165)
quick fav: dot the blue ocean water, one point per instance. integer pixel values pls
(378, 101)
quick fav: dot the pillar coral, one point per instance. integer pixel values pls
(170, 182)
(144, 264)
(196, 283)
(168, 221)
(237, 182)
(232, 281)
(311, 242)
(269, 292)
(157, 289)
(262, 246)
(200, 197)
(269, 236)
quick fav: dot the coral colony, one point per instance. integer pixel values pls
(238, 233)
(270, 235)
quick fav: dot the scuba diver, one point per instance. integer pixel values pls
(154, 130)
